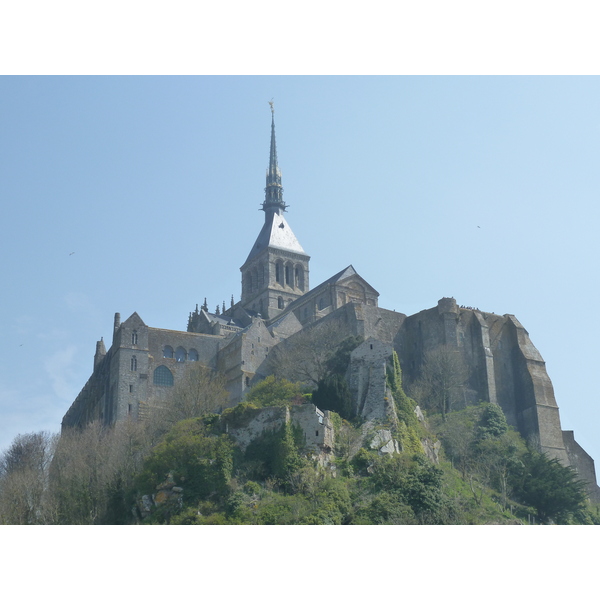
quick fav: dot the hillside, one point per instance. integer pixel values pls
(257, 463)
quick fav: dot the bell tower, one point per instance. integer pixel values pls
(276, 270)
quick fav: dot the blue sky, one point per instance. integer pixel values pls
(125, 194)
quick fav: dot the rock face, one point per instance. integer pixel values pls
(384, 443)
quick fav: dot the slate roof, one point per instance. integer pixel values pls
(276, 233)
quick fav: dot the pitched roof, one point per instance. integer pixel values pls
(276, 233)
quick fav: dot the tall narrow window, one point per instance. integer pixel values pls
(180, 354)
(279, 302)
(134, 338)
(133, 363)
(288, 278)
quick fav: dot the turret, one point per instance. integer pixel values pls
(116, 325)
(100, 352)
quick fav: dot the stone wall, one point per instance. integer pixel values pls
(316, 426)
(583, 463)
(368, 383)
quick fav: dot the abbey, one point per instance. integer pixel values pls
(144, 365)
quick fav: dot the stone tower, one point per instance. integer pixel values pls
(276, 270)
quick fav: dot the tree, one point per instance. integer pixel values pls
(201, 392)
(92, 470)
(195, 460)
(24, 470)
(554, 491)
(306, 356)
(442, 379)
(333, 393)
(273, 391)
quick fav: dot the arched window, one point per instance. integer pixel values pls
(288, 275)
(134, 338)
(279, 271)
(134, 363)
(193, 355)
(279, 302)
(180, 354)
(167, 352)
(162, 376)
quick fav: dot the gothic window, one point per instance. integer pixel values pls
(162, 376)
(193, 355)
(134, 338)
(279, 272)
(321, 303)
(134, 363)
(180, 354)
(260, 306)
(167, 352)
(279, 302)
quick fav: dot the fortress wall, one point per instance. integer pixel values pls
(537, 412)
(90, 402)
(583, 463)
(503, 344)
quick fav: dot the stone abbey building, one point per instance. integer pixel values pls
(144, 365)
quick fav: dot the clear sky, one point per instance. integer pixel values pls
(125, 194)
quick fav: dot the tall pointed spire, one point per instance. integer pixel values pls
(273, 191)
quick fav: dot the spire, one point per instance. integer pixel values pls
(273, 191)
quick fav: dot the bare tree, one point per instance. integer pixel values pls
(442, 379)
(92, 469)
(303, 356)
(24, 469)
(202, 392)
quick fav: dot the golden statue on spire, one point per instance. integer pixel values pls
(271, 104)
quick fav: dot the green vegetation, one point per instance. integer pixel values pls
(194, 473)
(273, 391)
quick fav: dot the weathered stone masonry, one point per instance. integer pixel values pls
(145, 365)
